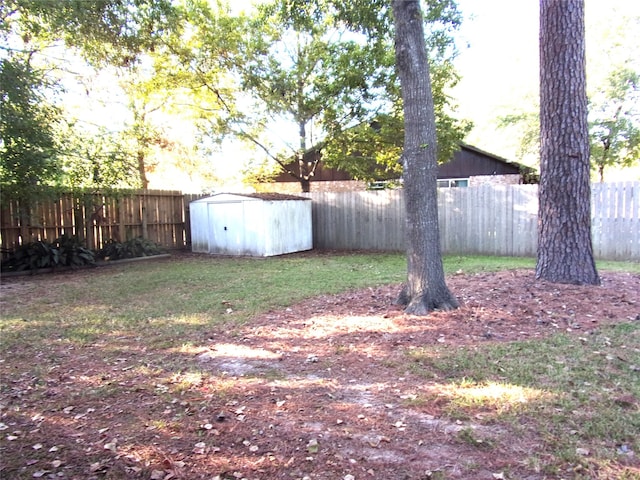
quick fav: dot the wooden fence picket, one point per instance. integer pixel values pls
(96, 218)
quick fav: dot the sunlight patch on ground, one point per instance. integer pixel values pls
(234, 350)
(302, 383)
(239, 360)
(193, 319)
(330, 325)
(502, 396)
(190, 349)
(187, 380)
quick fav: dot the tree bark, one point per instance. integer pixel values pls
(305, 185)
(425, 289)
(142, 169)
(565, 252)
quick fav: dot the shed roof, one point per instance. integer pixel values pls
(267, 196)
(275, 196)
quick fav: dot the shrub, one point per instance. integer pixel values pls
(72, 253)
(63, 251)
(136, 247)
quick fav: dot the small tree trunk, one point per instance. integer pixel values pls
(425, 289)
(303, 170)
(565, 252)
(601, 172)
(142, 171)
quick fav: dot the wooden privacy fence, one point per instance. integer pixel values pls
(488, 220)
(97, 217)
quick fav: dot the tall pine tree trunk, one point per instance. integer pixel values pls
(565, 252)
(425, 289)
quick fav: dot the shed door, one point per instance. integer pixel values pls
(226, 227)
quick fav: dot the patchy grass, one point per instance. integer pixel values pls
(483, 263)
(102, 377)
(164, 300)
(578, 392)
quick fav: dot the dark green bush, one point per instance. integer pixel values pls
(72, 253)
(65, 251)
(136, 247)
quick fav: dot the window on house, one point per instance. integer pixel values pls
(377, 185)
(453, 182)
(384, 184)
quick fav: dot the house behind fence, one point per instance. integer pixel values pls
(487, 219)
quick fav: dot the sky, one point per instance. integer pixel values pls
(498, 64)
(499, 61)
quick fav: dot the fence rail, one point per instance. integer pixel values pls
(488, 219)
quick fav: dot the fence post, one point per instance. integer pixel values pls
(143, 212)
(187, 222)
(78, 220)
(122, 232)
(88, 222)
(24, 217)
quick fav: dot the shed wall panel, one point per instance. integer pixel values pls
(254, 224)
(198, 217)
(288, 227)
(235, 225)
(226, 228)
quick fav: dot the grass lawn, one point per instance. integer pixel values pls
(99, 377)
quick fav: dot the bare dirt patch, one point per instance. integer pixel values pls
(320, 390)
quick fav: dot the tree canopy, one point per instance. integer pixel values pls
(330, 69)
(287, 77)
(615, 122)
(37, 37)
(131, 40)
(29, 146)
(292, 76)
(110, 32)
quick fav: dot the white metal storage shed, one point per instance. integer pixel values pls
(256, 224)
